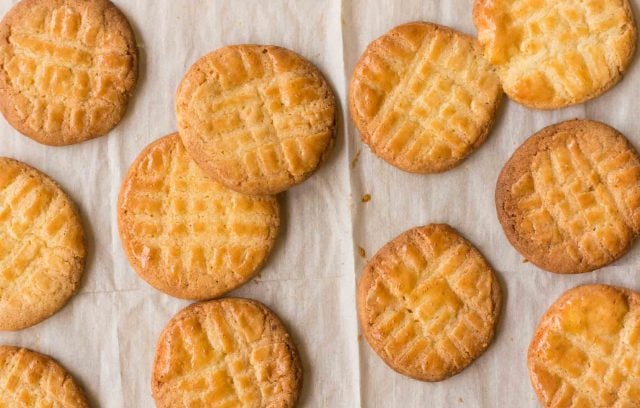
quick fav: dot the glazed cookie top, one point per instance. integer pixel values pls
(67, 68)
(569, 197)
(586, 349)
(226, 352)
(42, 250)
(30, 379)
(423, 97)
(186, 234)
(258, 119)
(554, 53)
(428, 303)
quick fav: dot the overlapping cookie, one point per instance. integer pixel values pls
(428, 303)
(423, 97)
(186, 234)
(258, 119)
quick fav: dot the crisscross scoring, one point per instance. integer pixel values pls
(41, 246)
(423, 97)
(577, 200)
(429, 303)
(187, 234)
(258, 119)
(67, 69)
(231, 352)
(29, 379)
(586, 350)
(552, 53)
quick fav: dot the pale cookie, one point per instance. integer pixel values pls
(429, 303)
(259, 119)
(423, 97)
(226, 353)
(554, 53)
(67, 69)
(586, 349)
(31, 379)
(42, 250)
(569, 197)
(186, 234)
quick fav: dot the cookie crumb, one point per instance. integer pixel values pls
(362, 252)
(525, 261)
(354, 162)
(366, 198)
(460, 400)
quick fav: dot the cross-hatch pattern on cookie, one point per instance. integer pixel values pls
(28, 379)
(587, 350)
(186, 233)
(41, 245)
(423, 97)
(430, 305)
(226, 354)
(580, 198)
(551, 53)
(67, 70)
(256, 113)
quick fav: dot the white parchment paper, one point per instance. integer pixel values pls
(106, 335)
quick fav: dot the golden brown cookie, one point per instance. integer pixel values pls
(586, 349)
(569, 197)
(226, 353)
(554, 53)
(67, 69)
(186, 234)
(258, 119)
(42, 251)
(31, 379)
(428, 303)
(423, 97)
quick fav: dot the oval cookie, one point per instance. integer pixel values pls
(258, 119)
(186, 234)
(226, 352)
(67, 69)
(30, 379)
(42, 250)
(423, 97)
(569, 197)
(586, 349)
(428, 303)
(554, 53)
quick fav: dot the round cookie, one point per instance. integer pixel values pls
(186, 234)
(42, 250)
(428, 303)
(423, 97)
(586, 349)
(572, 52)
(258, 119)
(226, 352)
(569, 197)
(67, 69)
(31, 379)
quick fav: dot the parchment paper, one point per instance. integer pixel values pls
(106, 335)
